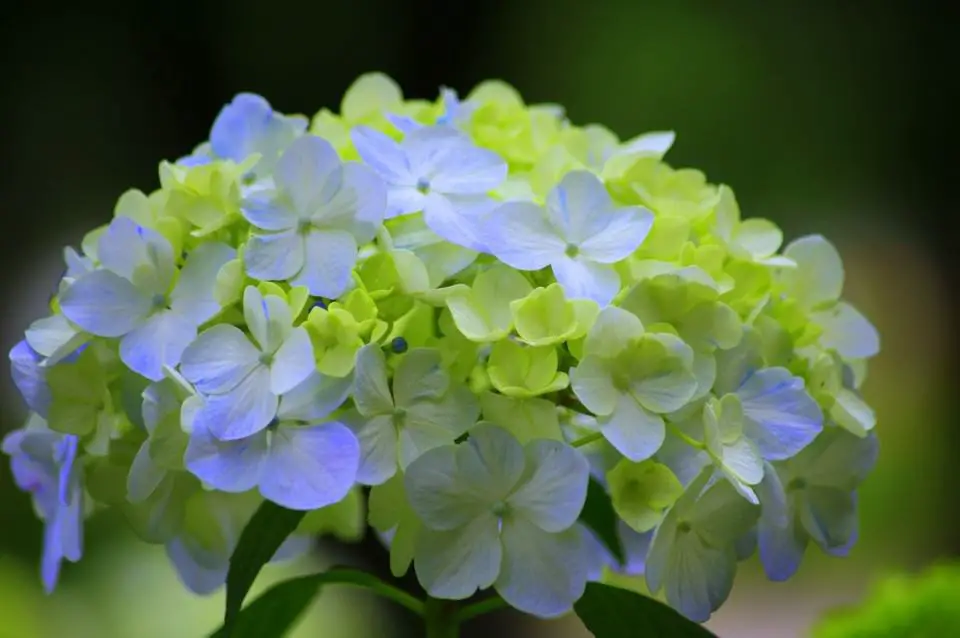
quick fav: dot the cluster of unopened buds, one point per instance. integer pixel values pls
(467, 315)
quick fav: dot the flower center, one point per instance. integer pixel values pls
(399, 416)
(423, 185)
(500, 509)
(159, 301)
(265, 358)
(572, 250)
(304, 226)
(683, 527)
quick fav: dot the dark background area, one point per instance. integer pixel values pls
(824, 118)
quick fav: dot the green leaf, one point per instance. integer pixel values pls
(599, 516)
(277, 610)
(259, 541)
(612, 612)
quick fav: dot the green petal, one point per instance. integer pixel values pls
(525, 418)
(642, 491)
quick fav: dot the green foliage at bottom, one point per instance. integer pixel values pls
(926, 605)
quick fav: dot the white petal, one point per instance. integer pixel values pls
(457, 221)
(53, 337)
(358, 206)
(613, 330)
(371, 394)
(158, 342)
(593, 385)
(304, 170)
(193, 295)
(416, 438)
(468, 170)
(383, 155)
(625, 230)
(454, 564)
(818, 276)
(328, 263)
(275, 257)
(219, 359)
(378, 447)
(579, 206)
(245, 410)
(654, 143)
(781, 417)
(310, 467)
(229, 466)
(264, 211)
(418, 376)
(268, 318)
(441, 497)
(293, 362)
(490, 462)
(403, 200)
(138, 254)
(553, 497)
(634, 431)
(542, 574)
(583, 279)
(848, 332)
(698, 577)
(518, 234)
(105, 304)
(314, 398)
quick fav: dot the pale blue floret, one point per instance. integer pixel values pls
(302, 462)
(499, 514)
(245, 126)
(812, 497)
(241, 380)
(43, 464)
(131, 295)
(437, 170)
(580, 234)
(311, 225)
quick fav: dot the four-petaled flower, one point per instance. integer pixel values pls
(501, 514)
(240, 380)
(580, 234)
(314, 220)
(424, 410)
(439, 171)
(136, 295)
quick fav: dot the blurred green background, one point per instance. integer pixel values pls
(824, 117)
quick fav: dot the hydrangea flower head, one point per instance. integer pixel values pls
(483, 312)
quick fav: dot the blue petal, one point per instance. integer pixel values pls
(229, 466)
(781, 417)
(582, 279)
(202, 571)
(158, 342)
(328, 264)
(105, 304)
(192, 297)
(310, 467)
(316, 397)
(309, 172)
(383, 155)
(138, 254)
(780, 543)
(275, 256)
(245, 410)
(243, 127)
(30, 378)
(219, 359)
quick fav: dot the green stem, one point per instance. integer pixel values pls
(587, 439)
(483, 607)
(395, 594)
(441, 619)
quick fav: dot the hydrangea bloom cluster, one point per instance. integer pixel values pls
(467, 310)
